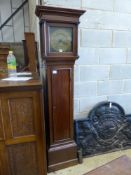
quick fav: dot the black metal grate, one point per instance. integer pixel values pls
(106, 129)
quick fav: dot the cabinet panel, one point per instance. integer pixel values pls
(61, 89)
(21, 116)
(23, 159)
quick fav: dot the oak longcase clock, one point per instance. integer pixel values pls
(58, 35)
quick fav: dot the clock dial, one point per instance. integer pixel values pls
(61, 39)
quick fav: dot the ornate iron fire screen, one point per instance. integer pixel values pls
(106, 129)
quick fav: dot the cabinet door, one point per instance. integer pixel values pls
(61, 90)
(23, 133)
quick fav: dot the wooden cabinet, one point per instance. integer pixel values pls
(59, 31)
(22, 139)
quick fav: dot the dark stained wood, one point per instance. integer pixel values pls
(62, 105)
(55, 14)
(62, 155)
(4, 50)
(22, 143)
(51, 16)
(20, 111)
(1, 125)
(58, 81)
(61, 117)
(31, 51)
(23, 159)
(21, 116)
(4, 168)
(119, 166)
(62, 152)
(24, 139)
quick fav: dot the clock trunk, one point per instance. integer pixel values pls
(58, 35)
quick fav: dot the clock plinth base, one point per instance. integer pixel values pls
(62, 156)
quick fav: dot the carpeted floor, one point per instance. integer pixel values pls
(91, 163)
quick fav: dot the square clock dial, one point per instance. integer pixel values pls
(60, 39)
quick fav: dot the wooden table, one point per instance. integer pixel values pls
(119, 166)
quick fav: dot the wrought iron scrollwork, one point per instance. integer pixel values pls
(106, 129)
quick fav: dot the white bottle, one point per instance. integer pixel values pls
(11, 64)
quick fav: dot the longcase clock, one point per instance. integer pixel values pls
(58, 35)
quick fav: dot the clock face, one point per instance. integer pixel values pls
(61, 39)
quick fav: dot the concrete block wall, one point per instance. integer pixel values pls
(15, 28)
(34, 21)
(103, 71)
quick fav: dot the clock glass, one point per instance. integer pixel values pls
(60, 39)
